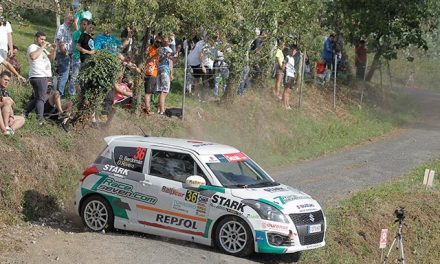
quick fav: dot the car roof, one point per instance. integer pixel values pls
(198, 146)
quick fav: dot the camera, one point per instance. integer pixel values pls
(400, 213)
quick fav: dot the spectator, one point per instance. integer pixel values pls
(195, 58)
(127, 41)
(165, 73)
(8, 121)
(278, 69)
(122, 93)
(76, 60)
(6, 43)
(54, 110)
(64, 42)
(13, 60)
(151, 71)
(39, 72)
(256, 56)
(83, 13)
(86, 45)
(221, 72)
(360, 60)
(289, 75)
(328, 51)
(107, 42)
(11, 69)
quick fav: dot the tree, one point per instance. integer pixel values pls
(387, 26)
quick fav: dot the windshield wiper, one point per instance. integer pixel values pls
(263, 184)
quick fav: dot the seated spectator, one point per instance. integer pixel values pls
(322, 72)
(13, 60)
(122, 93)
(8, 121)
(54, 110)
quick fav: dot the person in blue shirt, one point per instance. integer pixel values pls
(165, 73)
(328, 52)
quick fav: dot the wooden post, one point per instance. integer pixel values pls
(334, 81)
(303, 62)
(364, 83)
(389, 74)
(184, 82)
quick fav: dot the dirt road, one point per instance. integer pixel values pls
(328, 179)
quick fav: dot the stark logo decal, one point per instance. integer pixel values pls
(115, 169)
(228, 203)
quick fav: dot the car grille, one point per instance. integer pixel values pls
(302, 221)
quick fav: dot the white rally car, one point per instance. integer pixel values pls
(196, 191)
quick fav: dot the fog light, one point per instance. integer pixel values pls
(276, 240)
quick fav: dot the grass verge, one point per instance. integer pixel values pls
(354, 225)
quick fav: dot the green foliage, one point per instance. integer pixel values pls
(388, 26)
(97, 77)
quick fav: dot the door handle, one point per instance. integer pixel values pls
(144, 183)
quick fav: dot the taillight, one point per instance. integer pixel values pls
(88, 171)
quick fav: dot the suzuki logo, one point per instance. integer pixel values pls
(312, 218)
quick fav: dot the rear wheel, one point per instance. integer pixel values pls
(97, 214)
(234, 236)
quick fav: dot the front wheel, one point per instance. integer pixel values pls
(97, 214)
(234, 236)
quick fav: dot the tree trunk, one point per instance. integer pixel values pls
(139, 60)
(374, 66)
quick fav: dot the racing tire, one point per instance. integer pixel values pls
(296, 256)
(234, 237)
(97, 214)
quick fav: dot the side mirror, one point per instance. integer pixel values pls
(194, 181)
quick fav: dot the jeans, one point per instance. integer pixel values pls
(74, 71)
(244, 82)
(63, 67)
(39, 84)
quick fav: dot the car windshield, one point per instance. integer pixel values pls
(240, 174)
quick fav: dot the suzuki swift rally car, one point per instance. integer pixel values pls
(196, 191)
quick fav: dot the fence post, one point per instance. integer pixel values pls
(184, 82)
(364, 83)
(334, 81)
(303, 62)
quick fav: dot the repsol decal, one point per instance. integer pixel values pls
(228, 203)
(115, 169)
(176, 221)
(109, 185)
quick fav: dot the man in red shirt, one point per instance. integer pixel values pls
(360, 60)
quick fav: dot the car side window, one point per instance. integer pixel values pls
(131, 158)
(173, 165)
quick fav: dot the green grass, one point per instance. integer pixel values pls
(354, 224)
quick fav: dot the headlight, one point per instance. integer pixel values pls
(266, 211)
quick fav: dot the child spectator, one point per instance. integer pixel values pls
(85, 45)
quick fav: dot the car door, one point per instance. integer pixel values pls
(121, 186)
(176, 211)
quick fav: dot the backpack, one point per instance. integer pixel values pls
(177, 112)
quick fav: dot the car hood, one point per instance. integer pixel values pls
(287, 199)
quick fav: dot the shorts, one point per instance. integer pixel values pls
(289, 82)
(164, 82)
(150, 84)
(277, 70)
(197, 71)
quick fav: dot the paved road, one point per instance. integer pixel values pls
(328, 179)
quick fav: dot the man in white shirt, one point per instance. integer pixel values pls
(5, 36)
(40, 71)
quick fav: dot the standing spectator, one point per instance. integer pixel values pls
(289, 75)
(64, 42)
(86, 44)
(165, 73)
(278, 69)
(195, 58)
(127, 41)
(8, 121)
(83, 13)
(151, 71)
(13, 60)
(6, 44)
(39, 72)
(360, 60)
(76, 60)
(328, 51)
